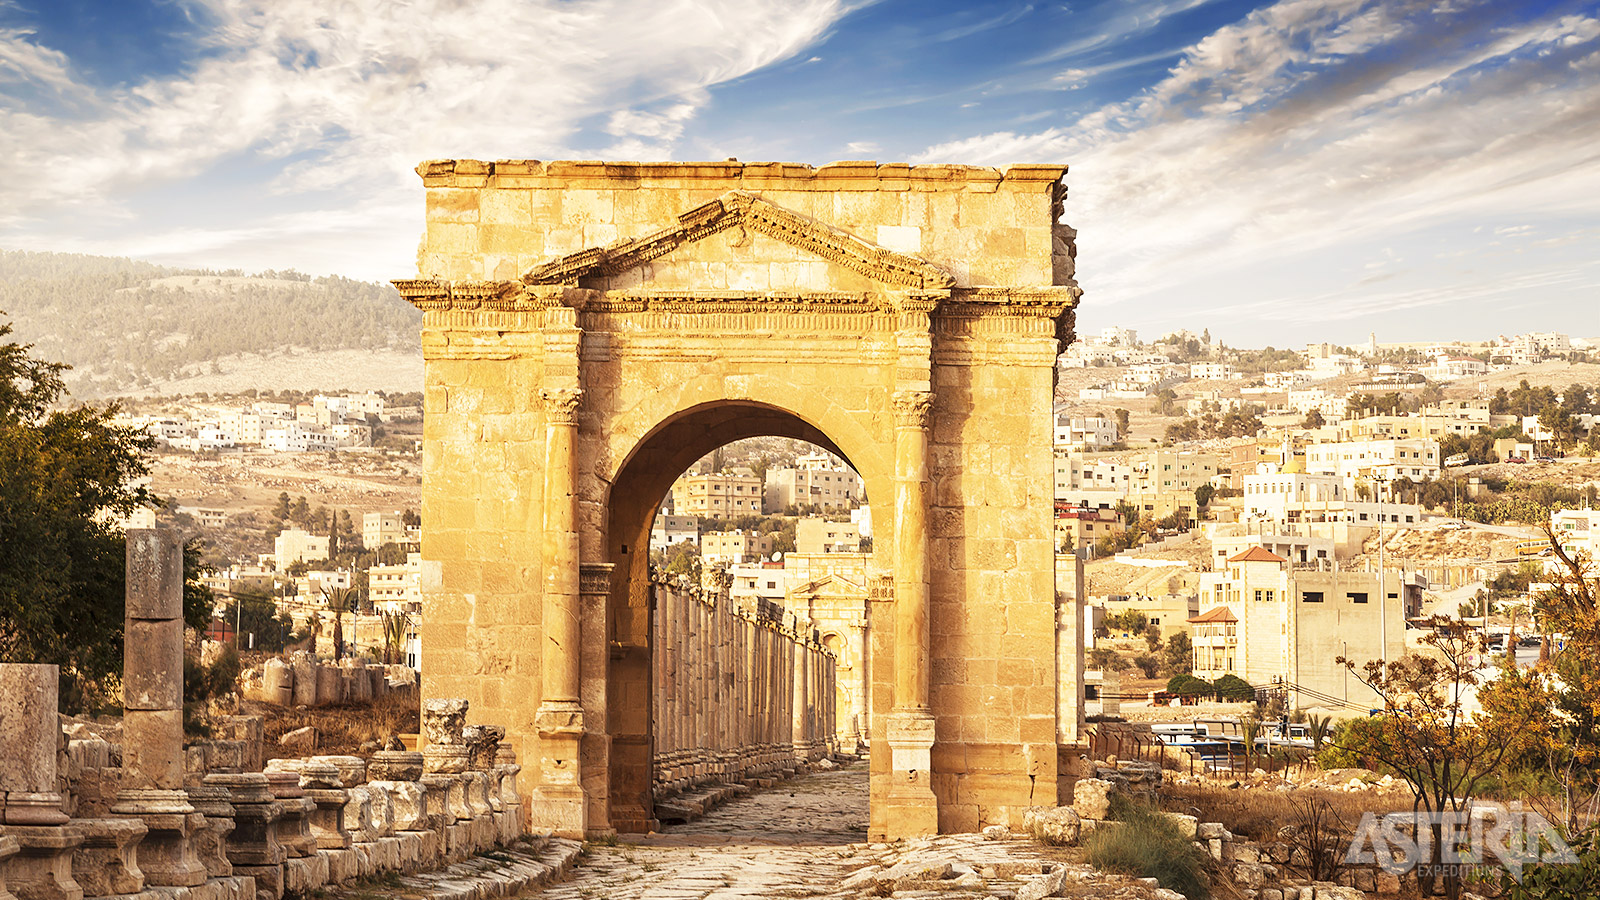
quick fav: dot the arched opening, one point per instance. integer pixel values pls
(643, 480)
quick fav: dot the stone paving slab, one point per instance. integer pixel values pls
(806, 838)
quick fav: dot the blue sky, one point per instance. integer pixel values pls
(1277, 172)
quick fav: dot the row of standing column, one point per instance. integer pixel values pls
(736, 696)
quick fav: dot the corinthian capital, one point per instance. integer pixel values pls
(911, 408)
(561, 405)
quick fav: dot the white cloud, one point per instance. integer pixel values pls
(351, 102)
(1311, 126)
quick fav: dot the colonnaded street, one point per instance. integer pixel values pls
(807, 838)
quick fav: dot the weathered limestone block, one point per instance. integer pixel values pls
(357, 686)
(352, 769)
(250, 731)
(358, 815)
(445, 759)
(8, 849)
(404, 800)
(106, 863)
(211, 843)
(42, 867)
(321, 784)
(476, 787)
(1059, 825)
(304, 875)
(29, 737)
(1091, 797)
(443, 720)
(254, 841)
(395, 765)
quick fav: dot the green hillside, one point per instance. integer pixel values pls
(122, 323)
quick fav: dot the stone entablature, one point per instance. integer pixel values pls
(928, 226)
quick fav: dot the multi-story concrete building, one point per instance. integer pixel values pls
(1155, 471)
(298, 545)
(1578, 531)
(734, 547)
(295, 437)
(757, 580)
(1080, 526)
(1212, 371)
(669, 530)
(814, 481)
(813, 535)
(397, 588)
(718, 494)
(1084, 432)
(1380, 459)
(1292, 623)
(1454, 368)
(379, 528)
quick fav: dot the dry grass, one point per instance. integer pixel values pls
(341, 730)
(1258, 813)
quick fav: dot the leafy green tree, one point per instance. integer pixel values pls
(64, 476)
(1178, 657)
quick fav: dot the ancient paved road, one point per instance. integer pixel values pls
(807, 838)
(794, 840)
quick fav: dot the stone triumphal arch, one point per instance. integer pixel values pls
(591, 329)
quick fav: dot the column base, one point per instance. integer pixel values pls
(910, 808)
(559, 803)
(167, 855)
(42, 868)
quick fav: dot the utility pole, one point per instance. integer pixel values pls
(1383, 590)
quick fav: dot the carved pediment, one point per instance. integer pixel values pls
(741, 209)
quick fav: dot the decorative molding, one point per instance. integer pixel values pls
(745, 210)
(911, 408)
(561, 405)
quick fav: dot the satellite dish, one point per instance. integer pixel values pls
(777, 556)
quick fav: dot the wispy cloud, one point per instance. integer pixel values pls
(1311, 125)
(351, 102)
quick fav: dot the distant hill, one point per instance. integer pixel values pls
(127, 326)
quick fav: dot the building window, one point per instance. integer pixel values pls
(1358, 597)
(1311, 597)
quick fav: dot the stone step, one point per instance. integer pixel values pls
(505, 872)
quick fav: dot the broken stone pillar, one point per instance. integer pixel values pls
(253, 848)
(294, 827)
(321, 784)
(305, 678)
(507, 766)
(483, 743)
(152, 723)
(211, 842)
(277, 683)
(330, 685)
(29, 733)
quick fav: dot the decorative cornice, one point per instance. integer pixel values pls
(911, 408)
(561, 405)
(738, 208)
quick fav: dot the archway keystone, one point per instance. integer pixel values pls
(591, 329)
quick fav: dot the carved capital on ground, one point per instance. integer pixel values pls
(561, 405)
(911, 408)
